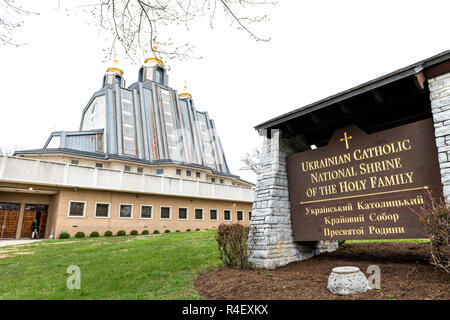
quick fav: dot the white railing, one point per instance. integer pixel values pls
(26, 170)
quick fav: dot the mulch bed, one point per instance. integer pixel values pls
(405, 274)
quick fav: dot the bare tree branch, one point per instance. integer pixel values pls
(10, 20)
(251, 161)
(138, 26)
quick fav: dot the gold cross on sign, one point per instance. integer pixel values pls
(345, 138)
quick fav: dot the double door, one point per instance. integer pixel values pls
(9, 217)
(32, 212)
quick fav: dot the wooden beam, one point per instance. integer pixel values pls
(419, 80)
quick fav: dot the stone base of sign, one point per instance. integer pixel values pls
(347, 280)
(271, 244)
(440, 107)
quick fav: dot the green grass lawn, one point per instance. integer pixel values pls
(132, 267)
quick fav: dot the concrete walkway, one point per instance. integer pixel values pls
(11, 242)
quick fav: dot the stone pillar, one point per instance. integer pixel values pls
(270, 242)
(440, 107)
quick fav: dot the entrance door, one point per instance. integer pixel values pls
(31, 212)
(9, 215)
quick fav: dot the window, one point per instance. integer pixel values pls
(159, 171)
(221, 181)
(169, 116)
(197, 174)
(213, 180)
(98, 165)
(249, 215)
(165, 213)
(128, 125)
(227, 215)
(102, 210)
(178, 172)
(159, 75)
(94, 113)
(140, 170)
(77, 209)
(198, 214)
(75, 161)
(239, 216)
(188, 173)
(126, 211)
(127, 168)
(146, 212)
(182, 213)
(213, 214)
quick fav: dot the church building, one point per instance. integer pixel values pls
(143, 159)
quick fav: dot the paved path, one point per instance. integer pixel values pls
(4, 243)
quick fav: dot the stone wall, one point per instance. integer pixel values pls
(271, 243)
(440, 107)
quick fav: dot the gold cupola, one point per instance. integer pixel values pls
(115, 69)
(114, 75)
(151, 61)
(153, 70)
(185, 94)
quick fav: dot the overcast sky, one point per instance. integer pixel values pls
(317, 49)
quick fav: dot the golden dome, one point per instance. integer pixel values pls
(115, 69)
(185, 94)
(158, 61)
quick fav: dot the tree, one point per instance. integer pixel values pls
(140, 27)
(251, 161)
(11, 14)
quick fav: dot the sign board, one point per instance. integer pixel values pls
(363, 186)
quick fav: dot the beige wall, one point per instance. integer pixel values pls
(169, 170)
(59, 220)
(89, 223)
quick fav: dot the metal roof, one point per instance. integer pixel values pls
(367, 86)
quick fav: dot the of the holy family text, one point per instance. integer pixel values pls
(363, 186)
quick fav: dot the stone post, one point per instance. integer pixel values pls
(440, 107)
(270, 242)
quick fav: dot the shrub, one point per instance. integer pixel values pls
(232, 241)
(155, 232)
(436, 219)
(177, 230)
(64, 235)
(121, 233)
(188, 230)
(79, 234)
(108, 233)
(341, 243)
(167, 231)
(94, 234)
(134, 233)
(145, 232)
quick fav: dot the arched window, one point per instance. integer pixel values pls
(118, 80)
(141, 75)
(159, 75)
(94, 113)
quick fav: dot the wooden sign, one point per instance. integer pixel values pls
(363, 186)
